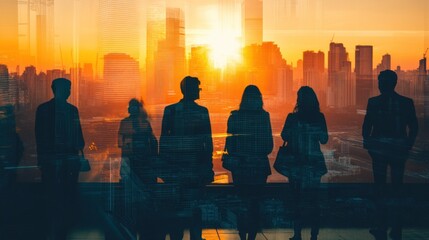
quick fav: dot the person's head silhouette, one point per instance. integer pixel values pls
(61, 89)
(307, 101)
(251, 99)
(190, 88)
(135, 108)
(387, 80)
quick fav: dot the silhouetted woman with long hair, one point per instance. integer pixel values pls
(139, 146)
(138, 143)
(250, 140)
(304, 130)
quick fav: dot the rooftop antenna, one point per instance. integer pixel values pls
(332, 39)
(424, 54)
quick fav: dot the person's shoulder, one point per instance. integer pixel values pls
(201, 108)
(403, 98)
(73, 107)
(45, 106)
(291, 115)
(170, 107)
(375, 99)
(234, 113)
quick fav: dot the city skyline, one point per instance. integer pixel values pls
(295, 26)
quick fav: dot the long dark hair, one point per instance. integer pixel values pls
(306, 102)
(251, 99)
(136, 108)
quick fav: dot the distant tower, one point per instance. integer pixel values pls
(121, 78)
(313, 69)
(9, 32)
(170, 60)
(424, 77)
(4, 85)
(119, 30)
(341, 87)
(252, 20)
(155, 32)
(364, 76)
(386, 62)
(45, 50)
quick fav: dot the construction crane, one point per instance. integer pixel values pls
(424, 54)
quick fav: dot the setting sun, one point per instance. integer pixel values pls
(225, 49)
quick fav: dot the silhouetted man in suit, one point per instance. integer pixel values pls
(59, 140)
(389, 131)
(186, 144)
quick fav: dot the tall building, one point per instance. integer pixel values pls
(4, 85)
(201, 66)
(264, 66)
(313, 70)
(364, 75)
(252, 20)
(341, 87)
(385, 64)
(155, 32)
(119, 29)
(9, 32)
(121, 76)
(170, 59)
(424, 77)
(45, 50)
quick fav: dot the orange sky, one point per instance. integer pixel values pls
(397, 27)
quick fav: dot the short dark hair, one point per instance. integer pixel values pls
(387, 80)
(60, 82)
(188, 83)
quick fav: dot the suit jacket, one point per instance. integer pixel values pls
(390, 124)
(58, 131)
(186, 141)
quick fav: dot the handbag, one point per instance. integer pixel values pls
(84, 163)
(286, 161)
(230, 162)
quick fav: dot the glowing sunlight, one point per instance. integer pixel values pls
(225, 49)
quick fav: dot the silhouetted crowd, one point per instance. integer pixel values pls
(164, 181)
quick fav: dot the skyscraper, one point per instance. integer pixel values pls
(341, 89)
(4, 85)
(121, 79)
(364, 75)
(424, 78)
(119, 29)
(170, 60)
(313, 69)
(155, 32)
(9, 32)
(252, 16)
(44, 33)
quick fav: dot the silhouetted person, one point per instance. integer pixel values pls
(389, 131)
(304, 130)
(139, 147)
(138, 144)
(187, 147)
(250, 139)
(11, 147)
(11, 150)
(59, 140)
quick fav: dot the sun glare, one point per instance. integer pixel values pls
(225, 49)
